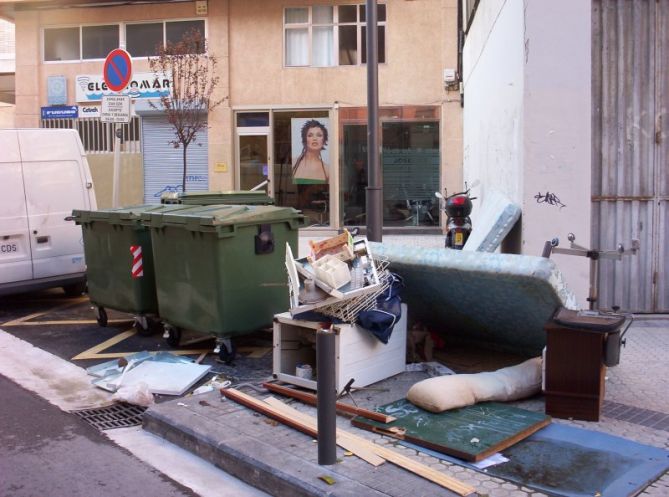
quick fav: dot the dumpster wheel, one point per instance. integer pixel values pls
(172, 335)
(226, 350)
(101, 316)
(145, 326)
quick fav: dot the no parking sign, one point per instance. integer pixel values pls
(117, 70)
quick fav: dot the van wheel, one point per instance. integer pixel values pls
(102, 317)
(75, 289)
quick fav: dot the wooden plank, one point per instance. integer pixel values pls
(391, 456)
(307, 428)
(343, 440)
(312, 399)
(470, 433)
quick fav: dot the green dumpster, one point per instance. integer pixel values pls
(220, 270)
(119, 262)
(235, 197)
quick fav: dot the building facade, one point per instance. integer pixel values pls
(281, 65)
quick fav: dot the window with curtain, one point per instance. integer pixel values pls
(326, 35)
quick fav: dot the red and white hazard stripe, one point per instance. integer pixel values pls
(137, 267)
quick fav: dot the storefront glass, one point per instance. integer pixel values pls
(302, 162)
(409, 160)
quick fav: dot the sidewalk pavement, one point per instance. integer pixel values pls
(283, 461)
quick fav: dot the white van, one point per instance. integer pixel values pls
(44, 174)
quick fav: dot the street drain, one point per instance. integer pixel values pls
(636, 415)
(120, 415)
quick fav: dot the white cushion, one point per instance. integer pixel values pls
(452, 391)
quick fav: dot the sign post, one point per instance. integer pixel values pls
(115, 109)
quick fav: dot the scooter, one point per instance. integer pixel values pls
(457, 207)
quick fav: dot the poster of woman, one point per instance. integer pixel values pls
(310, 155)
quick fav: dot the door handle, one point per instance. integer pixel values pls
(42, 239)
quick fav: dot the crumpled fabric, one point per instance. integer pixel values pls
(381, 320)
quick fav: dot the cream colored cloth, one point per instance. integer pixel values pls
(452, 391)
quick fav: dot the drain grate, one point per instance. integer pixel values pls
(120, 415)
(637, 415)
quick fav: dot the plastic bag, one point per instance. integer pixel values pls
(137, 394)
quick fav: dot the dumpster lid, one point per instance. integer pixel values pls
(221, 215)
(233, 197)
(588, 320)
(122, 215)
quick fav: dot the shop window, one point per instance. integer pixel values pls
(303, 169)
(410, 158)
(324, 36)
(61, 44)
(98, 41)
(410, 164)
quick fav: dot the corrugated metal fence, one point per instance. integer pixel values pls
(630, 188)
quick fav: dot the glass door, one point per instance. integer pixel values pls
(254, 162)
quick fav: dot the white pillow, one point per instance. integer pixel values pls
(452, 391)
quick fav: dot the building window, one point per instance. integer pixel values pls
(98, 41)
(95, 42)
(146, 39)
(61, 44)
(325, 36)
(80, 42)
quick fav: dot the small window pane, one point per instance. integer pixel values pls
(348, 46)
(297, 16)
(348, 13)
(323, 46)
(252, 119)
(98, 41)
(176, 30)
(297, 47)
(61, 44)
(380, 13)
(143, 40)
(381, 42)
(322, 14)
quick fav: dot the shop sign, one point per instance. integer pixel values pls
(89, 111)
(91, 87)
(60, 112)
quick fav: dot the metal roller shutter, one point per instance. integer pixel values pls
(163, 164)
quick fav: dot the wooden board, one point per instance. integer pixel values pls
(471, 433)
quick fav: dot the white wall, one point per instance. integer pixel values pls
(493, 110)
(557, 143)
(527, 118)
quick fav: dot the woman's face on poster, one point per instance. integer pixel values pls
(315, 139)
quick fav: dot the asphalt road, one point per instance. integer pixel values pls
(49, 453)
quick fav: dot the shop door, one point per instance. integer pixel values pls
(254, 162)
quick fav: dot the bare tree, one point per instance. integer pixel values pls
(194, 79)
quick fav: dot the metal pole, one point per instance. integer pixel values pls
(326, 397)
(117, 166)
(374, 199)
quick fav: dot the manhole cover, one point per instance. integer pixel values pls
(115, 416)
